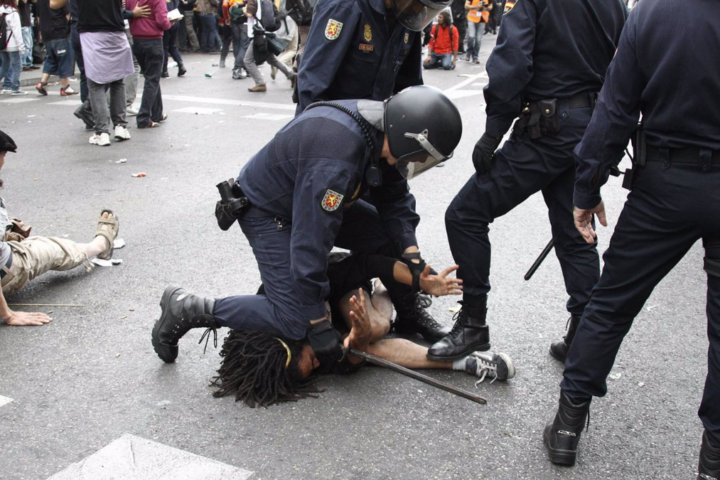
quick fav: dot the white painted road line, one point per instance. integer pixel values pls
(455, 94)
(134, 458)
(227, 102)
(199, 110)
(67, 103)
(18, 100)
(269, 116)
(4, 400)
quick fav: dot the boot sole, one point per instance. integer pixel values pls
(157, 345)
(558, 456)
(467, 351)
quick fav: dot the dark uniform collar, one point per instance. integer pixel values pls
(378, 6)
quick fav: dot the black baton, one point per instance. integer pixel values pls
(418, 376)
(539, 260)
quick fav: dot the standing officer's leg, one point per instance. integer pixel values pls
(362, 231)
(578, 259)
(710, 407)
(649, 240)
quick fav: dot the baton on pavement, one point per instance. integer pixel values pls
(539, 260)
(418, 376)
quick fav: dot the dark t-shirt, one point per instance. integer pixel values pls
(53, 23)
(100, 16)
(24, 11)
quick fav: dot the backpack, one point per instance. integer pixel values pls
(300, 10)
(270, 20)
(4, 37)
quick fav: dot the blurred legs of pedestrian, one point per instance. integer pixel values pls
(226, 37)
(150, 55)
(77, 50)
(10, 69)
(288, 55)
(59, 61)
(27, 59)
(190, 32)
(257, 75)
(104, 114)
(131, 82)
(241, 42)
(475, 33)
(171, 50)
(210, 40)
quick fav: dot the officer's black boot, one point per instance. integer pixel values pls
(413, 318)
(562, 435)
(709, 467)
(181, 311)
(469, 334)
(559, 348)
(84, 113)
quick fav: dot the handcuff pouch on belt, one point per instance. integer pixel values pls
(232, 204)
(540, 118)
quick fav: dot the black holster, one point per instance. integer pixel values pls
(540, 119)
(231, 205)
(639, 159)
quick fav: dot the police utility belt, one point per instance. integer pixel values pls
(541, 119)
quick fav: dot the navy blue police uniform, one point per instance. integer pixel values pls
(356, 49)
(304, 188)
(675, 199)
(550, 55)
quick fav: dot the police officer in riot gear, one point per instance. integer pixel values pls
(304, 190)
(547, 67)
(674, 202)
(364, 49)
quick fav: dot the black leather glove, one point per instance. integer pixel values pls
(326, 342)
(484, 152)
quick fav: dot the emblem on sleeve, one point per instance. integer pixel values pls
(407, 37)
(332, 31)
(368, 33)
(332, 200)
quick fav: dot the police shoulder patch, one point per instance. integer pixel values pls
(332, 200)
(333, 28)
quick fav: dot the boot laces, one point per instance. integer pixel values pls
(206, 336)
(459, 322)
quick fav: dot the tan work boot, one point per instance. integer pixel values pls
(258, 88)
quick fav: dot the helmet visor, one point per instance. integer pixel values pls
(417, 14)
(414, 164)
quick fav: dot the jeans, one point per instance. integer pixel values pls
(27, 35)
(131, 80)
(255, 72)
(475, 34)
(187, 32)
(241, 42)
(170, 46)
(102, 113)
(10, 70)
(210, 39)
(150, 55)
(436, 60)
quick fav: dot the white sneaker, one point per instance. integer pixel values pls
(16, 93)
(4, 91)
(121, 133)
(102, 140)
(131, 112)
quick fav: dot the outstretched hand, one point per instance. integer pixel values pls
(359, 336)
(20, 319)
(583, 221)
(440, 285)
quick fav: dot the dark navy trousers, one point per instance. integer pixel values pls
(521, 168)
(669, 209)
(278, 311)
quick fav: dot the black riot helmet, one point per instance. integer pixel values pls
(6, 143)
(423, 127)
(417, 14)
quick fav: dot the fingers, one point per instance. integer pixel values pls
(448, 271)
(602, 218)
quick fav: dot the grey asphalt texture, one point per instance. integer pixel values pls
(91, 375)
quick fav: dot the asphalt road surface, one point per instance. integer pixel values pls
(91, 377)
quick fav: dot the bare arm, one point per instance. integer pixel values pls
(55, 4)
(20, 318)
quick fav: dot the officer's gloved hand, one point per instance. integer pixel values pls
(484, 152)
(326, 342)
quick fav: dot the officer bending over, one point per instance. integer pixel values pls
(675, 201)
(303, 190)
(548, 65)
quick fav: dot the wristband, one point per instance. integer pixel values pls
(415, 268)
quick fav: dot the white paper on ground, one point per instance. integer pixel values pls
(118, 243)
(106, 263)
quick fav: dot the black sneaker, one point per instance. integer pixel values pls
(165, 74)
(562, 435)
(497, 366)
(181, 71)
(709, 466)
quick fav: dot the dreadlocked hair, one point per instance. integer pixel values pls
(253, 368)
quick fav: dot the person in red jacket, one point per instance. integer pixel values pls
(443, 47)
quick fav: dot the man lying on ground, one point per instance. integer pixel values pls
(22, 259)
(261, 369)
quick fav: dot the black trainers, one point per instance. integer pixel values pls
(181, 311)
(469, 334)
(497, 366)
(709, 466)
(165, 74)
(559, 348)
(181, 70)
(562, 435)
(413, 318)
(84, 113)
